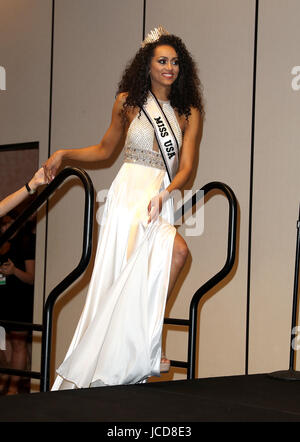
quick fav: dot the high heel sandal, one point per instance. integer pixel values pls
(164, 366)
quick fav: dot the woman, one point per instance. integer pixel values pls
(139, 256)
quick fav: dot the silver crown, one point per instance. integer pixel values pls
(154, 35)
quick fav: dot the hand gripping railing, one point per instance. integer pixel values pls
(192, 321)
(46, 326)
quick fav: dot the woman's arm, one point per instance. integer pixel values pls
(11, 201)
(97, 152)
(191, 141)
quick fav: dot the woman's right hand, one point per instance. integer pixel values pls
(52, 165)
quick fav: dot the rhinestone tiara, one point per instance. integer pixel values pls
(154, 35)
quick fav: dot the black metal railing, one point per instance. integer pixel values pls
(46, 326)
(191, 323)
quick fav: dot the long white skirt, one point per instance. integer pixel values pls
(118, 337)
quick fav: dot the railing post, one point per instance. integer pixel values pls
(46, 327)
(231, 248)
(63, 285)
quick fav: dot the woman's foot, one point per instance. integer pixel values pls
(11, 392)
(164, 364)
(12, 389)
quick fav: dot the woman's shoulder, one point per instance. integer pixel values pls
(121, 97)
(194, 123)
(195, 112)
(119, 102)
(195, 117)
(118, 106)
(129, 112)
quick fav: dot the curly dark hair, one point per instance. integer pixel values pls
(186, 91)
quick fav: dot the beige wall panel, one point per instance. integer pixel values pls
(276, 186)
(25, 28)
(16, 167)
(25, 47)
(93, 40)
(220, 35)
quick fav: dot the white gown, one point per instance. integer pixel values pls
(118, 337)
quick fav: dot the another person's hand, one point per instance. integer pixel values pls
(7, 268)
(52, 165)
(38, 179)
(11, 201)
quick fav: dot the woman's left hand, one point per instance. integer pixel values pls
(155, 205)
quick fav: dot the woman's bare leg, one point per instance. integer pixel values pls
(179, 256)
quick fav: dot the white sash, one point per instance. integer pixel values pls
(164, 134)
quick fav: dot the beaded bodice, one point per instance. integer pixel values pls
(140, 141)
